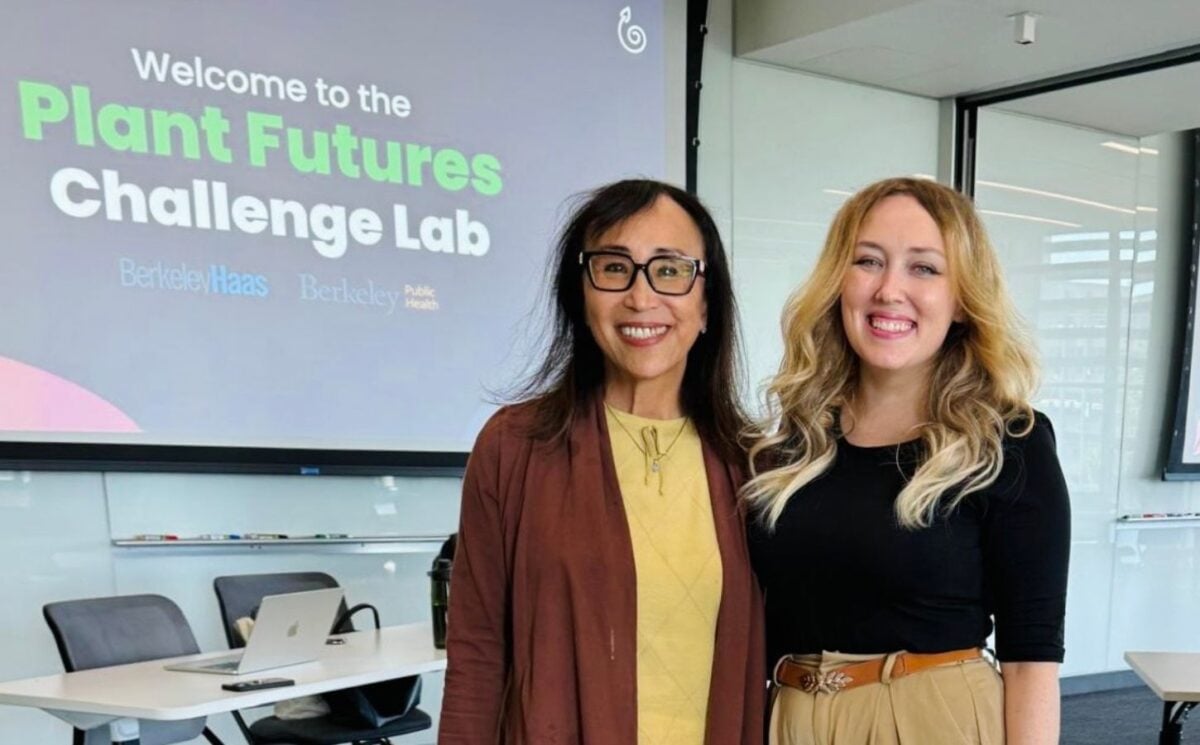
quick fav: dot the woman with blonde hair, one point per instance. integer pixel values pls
(907, 499)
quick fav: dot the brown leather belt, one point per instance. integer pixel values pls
(789, 672)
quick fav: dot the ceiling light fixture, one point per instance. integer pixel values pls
(1055, 195)
(1121, 146)
(1129, 148)
(1031, 218)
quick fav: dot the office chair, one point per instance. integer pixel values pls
(99, 632)
(449, 546)
(239, 597)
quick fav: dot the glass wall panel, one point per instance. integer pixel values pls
(801, 145)
(1156, 570)
(1061, 205)
(53, 545)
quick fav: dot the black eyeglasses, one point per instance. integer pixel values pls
(611, 271)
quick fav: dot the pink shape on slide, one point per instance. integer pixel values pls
(33, 400)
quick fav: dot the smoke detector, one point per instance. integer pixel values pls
(1024, 28)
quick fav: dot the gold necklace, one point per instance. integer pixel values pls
(649, 450)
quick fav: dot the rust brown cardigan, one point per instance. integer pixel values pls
(542, 640)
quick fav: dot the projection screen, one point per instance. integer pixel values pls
(299, 235)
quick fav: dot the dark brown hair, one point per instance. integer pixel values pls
(571, 372)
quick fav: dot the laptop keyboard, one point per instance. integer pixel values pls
(230, 665)
(220, 664)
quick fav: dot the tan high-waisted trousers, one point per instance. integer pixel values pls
(957, 704)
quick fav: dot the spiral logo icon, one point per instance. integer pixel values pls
(631, 35)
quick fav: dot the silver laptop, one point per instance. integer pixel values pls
(288, 630)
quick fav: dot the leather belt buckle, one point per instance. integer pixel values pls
(830, 681)
(800, 675)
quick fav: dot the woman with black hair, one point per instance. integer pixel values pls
(601, 590)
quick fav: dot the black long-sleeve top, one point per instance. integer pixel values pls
(840, 574)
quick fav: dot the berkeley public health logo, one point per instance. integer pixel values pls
(631, 35)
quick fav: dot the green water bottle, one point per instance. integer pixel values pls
(439, 577)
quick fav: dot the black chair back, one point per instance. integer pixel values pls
(240, 595)
(100, 632)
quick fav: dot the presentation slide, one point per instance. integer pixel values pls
(314, 225)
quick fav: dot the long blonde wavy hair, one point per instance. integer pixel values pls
(979, 387)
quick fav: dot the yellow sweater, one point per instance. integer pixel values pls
(678, 568)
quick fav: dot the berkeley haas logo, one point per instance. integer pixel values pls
(631, 36)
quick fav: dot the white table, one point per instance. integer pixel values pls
(1175, 678)
(119, 696)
